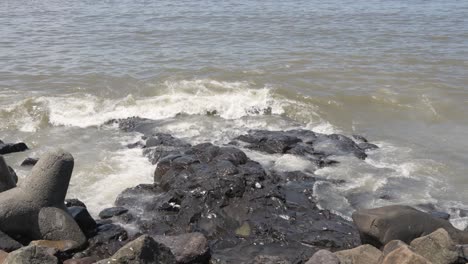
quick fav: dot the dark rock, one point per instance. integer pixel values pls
(143, 250)
(7, 243)
(314, 146)
(74, 202)
(29, 162)
(441, 215)
(85, 260)
(360, 139)
(397, 222)
(187, 248)
(215, 191)
(83, 219)
(111, 212)
(32, 255)
(367, 146)
(107, 241)
(8, 176)
(12, 147)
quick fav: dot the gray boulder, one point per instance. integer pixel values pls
(32, 255)
(397, 222)
(35, 209)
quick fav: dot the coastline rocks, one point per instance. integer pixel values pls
(365, 254)
(436, 247)
(241, 209)
(323, 257)
(8, 177)
(187, 248)
(108, 239)
(381, 225)
(32, 255)
(84, 220)
(141, 251)
(12, 147)
(36, 209)
(315, 146)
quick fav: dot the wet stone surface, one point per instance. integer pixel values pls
(243, 210)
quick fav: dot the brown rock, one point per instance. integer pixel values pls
(3, 256)
(60, 245)
(392, 245)
(323, 257)
(437, 247)
(365, 254)
(403, 255)
(187, 248)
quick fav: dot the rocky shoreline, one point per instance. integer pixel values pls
(214, 204)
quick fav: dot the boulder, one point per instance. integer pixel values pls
(436, 247)
(111, 212)
(365, 254)
(62, 245)
(392, 245)
(397, 222)
(187, 248)
(7, 176)
(32, 255)
(403, 255)
(143, 250)
(36, 209)
(323, 257)
(7, 243)
(12, 147)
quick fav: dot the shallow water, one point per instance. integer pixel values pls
(394, 71)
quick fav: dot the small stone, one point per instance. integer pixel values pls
(12, 147)
(143, 250)
(60, 245)
(243, 230)
(323, 257)
(363, 254)
(7, 243)
(29, 162)
(187, 248)
(436, 247)
(403, 255)
(32, 255)
(111, 212)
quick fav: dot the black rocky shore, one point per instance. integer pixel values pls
(213, 204)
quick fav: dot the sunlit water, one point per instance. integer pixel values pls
(393, 71)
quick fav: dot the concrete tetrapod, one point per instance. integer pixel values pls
(35, 208)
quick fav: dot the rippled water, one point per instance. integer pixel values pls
(394, 71)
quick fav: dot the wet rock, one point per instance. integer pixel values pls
(85, 260)
(264, 259)
(32, 255)
(187, 248)
(360, 139)
(29, 162)
(403, 255)
(74, 202)
(363, 254)
(436, 247)
(12, 147)
(107, 241)
(314, 146)
(162, 145)
(83, 219)
(441, 215)
(62, 245)
(143, 250)
(381, 225)
(367, 146)
(215, 191)
(111, 212)
(8, 177)
(7, 243)
(323, 257)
